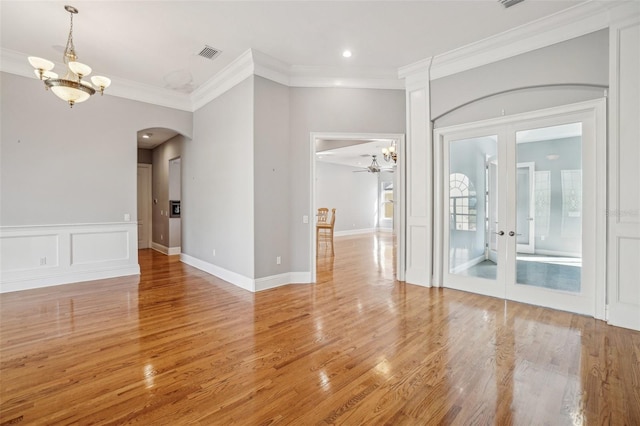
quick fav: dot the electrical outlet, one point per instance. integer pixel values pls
(43, 261)
(161, 237)
(278, 260)
(214, 252)
(305, 219)
(127, 217)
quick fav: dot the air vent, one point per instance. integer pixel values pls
(509, 3)
(209, 52)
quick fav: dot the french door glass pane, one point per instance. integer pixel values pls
(549, 207)
(472, 202)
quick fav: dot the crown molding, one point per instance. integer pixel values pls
(227, 78)
(254, 62)
(271, 68)
(573, 22)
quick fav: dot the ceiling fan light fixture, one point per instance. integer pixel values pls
(70, 88)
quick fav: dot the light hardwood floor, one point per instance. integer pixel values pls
(178, 346)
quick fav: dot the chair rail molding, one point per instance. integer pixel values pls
(47, 255)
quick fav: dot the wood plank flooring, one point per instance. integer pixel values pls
(178, 346)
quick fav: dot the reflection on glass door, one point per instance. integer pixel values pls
(552, 204)
(519, 208)
(472, 211)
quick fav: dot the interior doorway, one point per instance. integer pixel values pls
(144, 205)
(371, 186)
(520, 208)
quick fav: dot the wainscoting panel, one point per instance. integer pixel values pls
(99, 247)
(28, 252)
(47, 255)
(623, 251)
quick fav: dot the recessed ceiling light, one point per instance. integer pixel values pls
(146, 136)
(346, 53)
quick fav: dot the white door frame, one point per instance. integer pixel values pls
(594, 222)
(399, 214)
(531, 247)
(148, 168)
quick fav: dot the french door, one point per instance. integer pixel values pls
(520, 208)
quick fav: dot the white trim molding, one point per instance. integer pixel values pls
(47, 255)
(246, 283)
(355, 232)
(573, 22)
(169, 251)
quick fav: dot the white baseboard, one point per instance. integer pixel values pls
(468, 264)
(243, 282)
(47, 255)
(279, 280)
(170, 251)
(68, 278)
(557, 253)
(224, 274)
(354, 232)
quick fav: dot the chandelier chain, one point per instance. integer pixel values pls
(70, 49)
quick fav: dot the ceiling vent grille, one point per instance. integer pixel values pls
(509, 3)
(209, 52)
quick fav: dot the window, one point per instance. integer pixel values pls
(462, 202)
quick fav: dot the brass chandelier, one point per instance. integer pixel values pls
(390, 153)
(71, 88)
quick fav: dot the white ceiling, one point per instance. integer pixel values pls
(156, 42)
(358, 155)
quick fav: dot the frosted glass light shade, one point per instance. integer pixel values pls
(45, 74)
(392, 148)
(80, 68)
(100, 81)
(40, 64)
(70, 94)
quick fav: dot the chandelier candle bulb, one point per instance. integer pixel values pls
(70, 88)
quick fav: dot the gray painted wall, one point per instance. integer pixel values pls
(353, 195)
(175, 184)
(271, 165)
(580, 60)
(217, 182)
(62, 165)
(162, 154)
(145, 156)
(331, 110)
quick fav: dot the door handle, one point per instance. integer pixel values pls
(499, 233)
(511, 233)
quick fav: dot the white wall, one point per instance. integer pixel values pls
(64, 165)
(331, 110)
(353, 195)
(68, 184)
(579, 60)
(271, 165)
(217, 183)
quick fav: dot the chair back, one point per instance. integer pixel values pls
(333, 217)
(323, 214)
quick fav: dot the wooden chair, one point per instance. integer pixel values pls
(323, 214)
(327, 231)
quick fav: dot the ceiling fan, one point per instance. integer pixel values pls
(374, 167)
